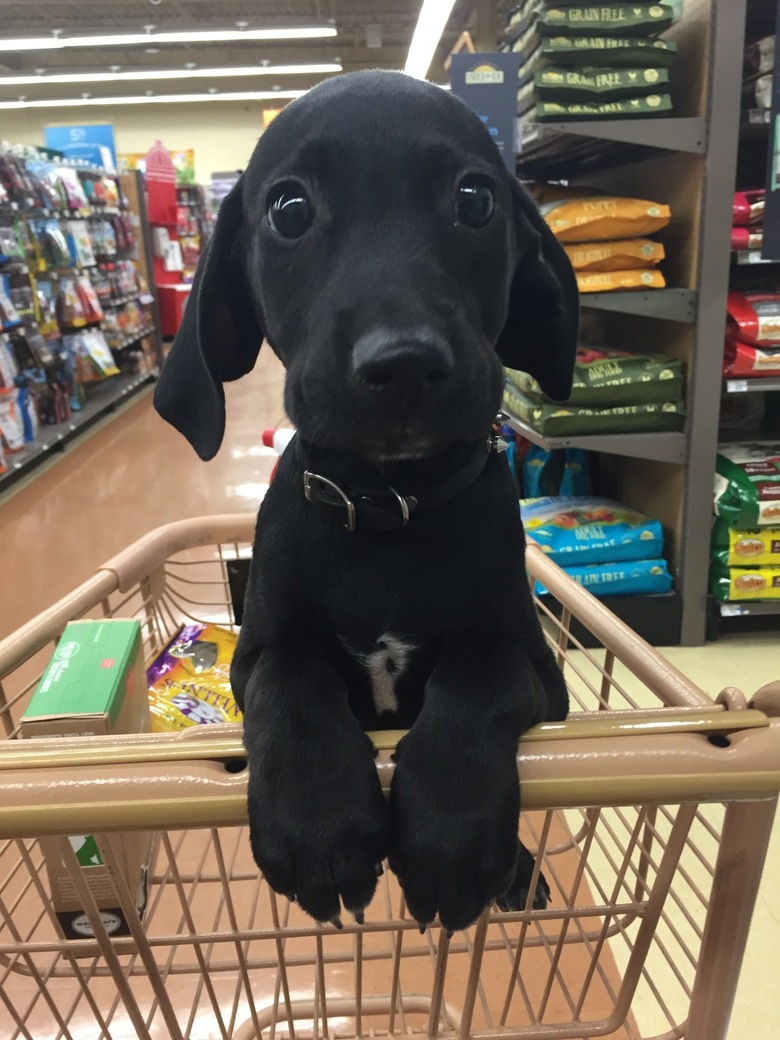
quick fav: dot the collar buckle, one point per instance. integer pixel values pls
(309, 477)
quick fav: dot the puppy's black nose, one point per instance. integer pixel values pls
(402, 362)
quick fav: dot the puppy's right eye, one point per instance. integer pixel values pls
(290, 213)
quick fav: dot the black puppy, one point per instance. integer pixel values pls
(393, 264)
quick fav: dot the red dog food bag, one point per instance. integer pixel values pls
(748, 207)
(754, 318)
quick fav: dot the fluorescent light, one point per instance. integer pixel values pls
(153, 99)
(434, 16)
(150, 74)
(40, 43)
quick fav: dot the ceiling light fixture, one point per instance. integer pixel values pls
(188, 72)
(434, 16)
(155, 99)
(40, 43)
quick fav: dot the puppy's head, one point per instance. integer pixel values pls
(378, 243)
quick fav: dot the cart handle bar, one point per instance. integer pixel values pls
(147, 748)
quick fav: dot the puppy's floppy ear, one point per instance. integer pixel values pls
(219, 337)
(540, 334)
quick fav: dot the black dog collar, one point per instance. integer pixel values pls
(391, 508)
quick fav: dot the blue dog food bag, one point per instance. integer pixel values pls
(631, 578)
(578, 531)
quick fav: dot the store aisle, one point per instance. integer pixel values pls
(129, 476)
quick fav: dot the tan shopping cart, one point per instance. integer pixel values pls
(650, 810)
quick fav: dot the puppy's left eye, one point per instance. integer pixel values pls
(475, 201)
(290, 213)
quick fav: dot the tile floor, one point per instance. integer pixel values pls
(133, 473)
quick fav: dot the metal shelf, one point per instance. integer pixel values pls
(749, 257)
(755, 121)
(133, 337)
(658, 447)
(750, 608)
(758, 385)
(102, 398)
(668, 304)
(579, 145)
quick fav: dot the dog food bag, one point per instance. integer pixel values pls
(604, 377)
(562, 471)
(754, 318)
(559, 420)
(623, 255)
(189, 682)
(747, 485)
(562, 84)
(759, 547)
(619, 281)
(747, 237)
(743, 359)
(606, 19)
(636, 578)
(603, 217)
(748, 207)
(608, 51)
(556, 111)
(741, 583)
(578, 531)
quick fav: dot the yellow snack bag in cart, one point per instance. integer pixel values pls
(189, 682)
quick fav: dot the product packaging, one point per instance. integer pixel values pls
(94, 684)
(563, 420)
(747, 484)
(604, 217)
(189, 682)
(579, 531)
(623, 255)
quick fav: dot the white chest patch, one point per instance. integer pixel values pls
(385, 666)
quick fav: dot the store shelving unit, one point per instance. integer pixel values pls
(693, 155)
(101, 398)
(104, 397)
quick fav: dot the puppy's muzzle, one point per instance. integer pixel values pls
(399, 365)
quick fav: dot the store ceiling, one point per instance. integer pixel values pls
(354, 20)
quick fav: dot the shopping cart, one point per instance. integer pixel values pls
(650, 811)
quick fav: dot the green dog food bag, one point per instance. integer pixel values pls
(747, 485)
(608, 51)
(562, 84)
(628, 108)
(563, 420)
(606, 378)
(605, 18)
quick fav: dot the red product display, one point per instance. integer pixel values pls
(747, 238)
(754, 318)
(745, 360)
(748, 207)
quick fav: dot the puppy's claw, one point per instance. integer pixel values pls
(359, 917)
(379, 870)
(449, 933)
(423, 928)
(336, 922)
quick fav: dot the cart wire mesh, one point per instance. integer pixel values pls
(638, 809)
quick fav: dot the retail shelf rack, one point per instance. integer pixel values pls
(688, 161)
(104, 398)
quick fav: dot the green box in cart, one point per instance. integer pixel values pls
(94, 684)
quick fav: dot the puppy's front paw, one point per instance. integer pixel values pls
(516, 896)
(453, 838)
(318, 823)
